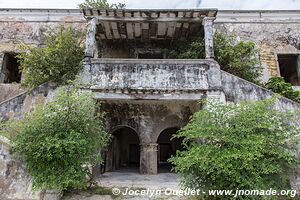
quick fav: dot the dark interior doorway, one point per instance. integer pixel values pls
(10, 72)
(150, 55)
(289, 68)
(167, 147)
(124, 151)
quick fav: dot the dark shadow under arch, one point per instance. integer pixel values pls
(123, 151)
(167, 147)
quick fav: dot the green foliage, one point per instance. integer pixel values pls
(3, 125)
(59, 60)
(237, 58)
(246, 146)
(98, 4)
(278, 85)
(58, 141)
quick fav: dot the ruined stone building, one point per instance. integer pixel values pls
(147, 97)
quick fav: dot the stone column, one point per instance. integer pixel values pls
(90, 38)
(85, 77)
(209, 37)
(148, 158)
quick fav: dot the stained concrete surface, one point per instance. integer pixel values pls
(136, 180)
(123, 179)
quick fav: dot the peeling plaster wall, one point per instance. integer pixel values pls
(21, 27)
(9, 90)
(14, 180)
(154, 74)
(149, 117)
(146, 112)
(24, 102)
(237, 90)
(24, 26)
(272, 31)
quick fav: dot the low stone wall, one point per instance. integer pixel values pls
(14, 180)
(237, 89)
(25, 26)
(9, 91)
(274, 32)
(16, 106)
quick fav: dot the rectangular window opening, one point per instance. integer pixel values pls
(10, 72)
(289, 68)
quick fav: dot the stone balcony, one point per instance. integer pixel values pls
(152, 79)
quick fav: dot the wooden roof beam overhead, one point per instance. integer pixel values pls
(118, 24)
(142, 15)
(142, 19)
(148, 12)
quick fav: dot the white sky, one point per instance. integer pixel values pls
(220, 4)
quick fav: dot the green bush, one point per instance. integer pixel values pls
(237, 58)
(59, 140)
(98, 4)
(278, 85)
(247, 146)
(59, 60)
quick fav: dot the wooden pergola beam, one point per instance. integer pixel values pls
(143, 19)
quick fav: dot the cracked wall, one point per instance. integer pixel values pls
(273, 33)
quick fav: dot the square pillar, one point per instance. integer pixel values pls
(148, 158)
(90, 38)
(208, 36)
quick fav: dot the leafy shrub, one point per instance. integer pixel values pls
(237, 58)
(59, 60)
(98, 4)
(59, 140)
(278, 85)
(247, 146)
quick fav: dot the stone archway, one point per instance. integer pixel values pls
(167, 147)
(123, 153)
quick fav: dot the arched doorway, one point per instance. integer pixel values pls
(167, 147)
(123, 153)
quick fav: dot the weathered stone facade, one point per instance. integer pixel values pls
(14, 181)
(25, 26)
(9, 91)
(274, 32)
(24, 102)
(146, 100)
(21, 27)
